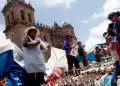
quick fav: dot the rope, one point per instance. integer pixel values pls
(56, 56)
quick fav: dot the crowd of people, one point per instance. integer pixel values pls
(35, 66)
(112, 35)
(101, 52)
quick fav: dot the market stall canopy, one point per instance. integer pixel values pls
(6, 45)
(57, 58)
(9, 53)
(11, 62)
(90, 54)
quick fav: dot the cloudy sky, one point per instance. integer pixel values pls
(89, 17)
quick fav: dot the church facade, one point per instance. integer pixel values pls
(19, 15)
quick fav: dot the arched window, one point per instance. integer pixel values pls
(8, 19)
(22, 14)
(29, 17)
(45, 39)
(12, 34)
(12, 15)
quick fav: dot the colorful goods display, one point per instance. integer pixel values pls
(96, 74)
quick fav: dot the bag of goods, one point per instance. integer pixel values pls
(97, 70)
(109, 70)
(2, 82)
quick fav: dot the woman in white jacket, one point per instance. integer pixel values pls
(33, 58)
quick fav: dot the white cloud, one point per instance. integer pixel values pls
(96, 32)
(66, 3)
(49, 3)
(96, 15)
(2, 3)
(93, 41)
(85, 21)
(2, 35)
(93, 18)
(96, 35)
(109, 6)
(100, 29)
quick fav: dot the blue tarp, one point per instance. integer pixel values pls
(111, 78)
(79, 58)
(10, 68)
(91, 56)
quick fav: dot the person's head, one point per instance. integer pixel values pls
(114, 16)
(105, 34)
(79, 43)
(32, 32)
(69, 38)
(110, 29)
(96, 47)
(111, 25)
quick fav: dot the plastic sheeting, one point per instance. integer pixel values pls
(11, 63)
(111, 78)
(90, 53)
(57, 59)
(6, 45)
(15, 79)
(91, 56)
(10, 68)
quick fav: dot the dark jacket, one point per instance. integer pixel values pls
(111, 32)
(117, 30)
(81, 51)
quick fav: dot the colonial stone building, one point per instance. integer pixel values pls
(19, 15)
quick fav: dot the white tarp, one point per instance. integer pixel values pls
(92, 49)
(57, 59)
(6, 45)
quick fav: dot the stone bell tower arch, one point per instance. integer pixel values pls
(18, 16)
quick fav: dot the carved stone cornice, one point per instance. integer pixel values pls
(19, 2)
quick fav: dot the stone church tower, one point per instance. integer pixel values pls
(20, 15)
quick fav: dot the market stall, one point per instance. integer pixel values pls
(96, 74)
(103, 74)
(11, 64)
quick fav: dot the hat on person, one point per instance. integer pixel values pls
(112, 15)
(79, 42)
(32, 28)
